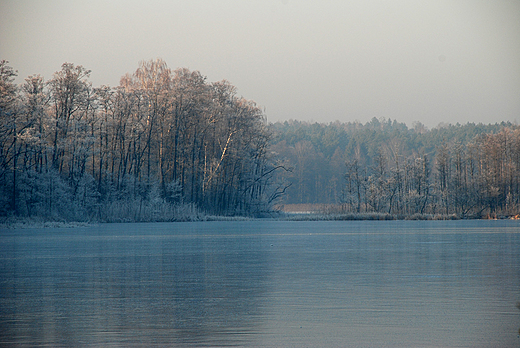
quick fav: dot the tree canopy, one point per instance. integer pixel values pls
(159, 141)
(167, 144)
(384, 166)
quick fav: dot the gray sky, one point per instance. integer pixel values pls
(430, 61)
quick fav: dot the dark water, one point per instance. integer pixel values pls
(262, 284)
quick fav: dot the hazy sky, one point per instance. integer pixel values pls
(430, 61)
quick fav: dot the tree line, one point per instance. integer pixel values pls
(168, 145)
(385, 167)
(163, 145)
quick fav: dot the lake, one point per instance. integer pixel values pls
(262, 284)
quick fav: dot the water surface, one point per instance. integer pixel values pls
(263, 284)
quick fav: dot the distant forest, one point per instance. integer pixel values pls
(168, 145)
(470, 170)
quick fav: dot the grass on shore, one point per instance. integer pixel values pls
(38, 222)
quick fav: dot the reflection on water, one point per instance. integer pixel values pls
(129, 285)
(262, 284)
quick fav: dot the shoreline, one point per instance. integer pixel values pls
(26, 223)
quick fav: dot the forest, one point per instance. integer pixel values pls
(167, 145)
(461, 171)
(163, 145)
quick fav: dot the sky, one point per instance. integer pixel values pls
(429, 61)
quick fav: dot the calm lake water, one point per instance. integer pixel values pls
(262, 284)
